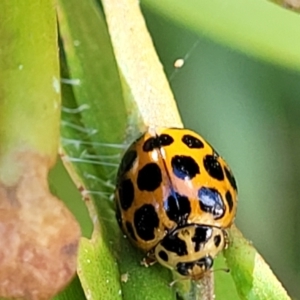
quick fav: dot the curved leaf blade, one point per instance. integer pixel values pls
(98, 270)
(253, 277)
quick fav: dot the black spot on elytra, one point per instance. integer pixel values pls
(145, 222)
(127, 162)
(229, 200)
(184, 167)
(157, 142)
(217, 240)
(192, 142)
(230, 178)
(202, 234)
(130, 230)
(165, 140)
(151, 144)
(173, 243)
(163, 255)
(177, 208)
(211, 202)
(149, 177)
(126, 193)
(213, 167)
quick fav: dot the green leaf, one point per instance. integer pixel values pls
(62, 186)
(144, 84)
(39, 236)
(257, 28)
(224, 284)
(98, 128)
(91, 64)
(72, 291)
(21, 73)
(253, 277)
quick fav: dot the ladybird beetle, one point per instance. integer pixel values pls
(175, 197)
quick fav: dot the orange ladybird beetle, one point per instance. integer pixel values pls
(175, 197)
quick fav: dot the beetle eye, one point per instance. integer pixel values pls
(183, 268)
(186, 268)
(206, 262)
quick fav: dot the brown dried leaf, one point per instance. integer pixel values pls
(39, 236)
